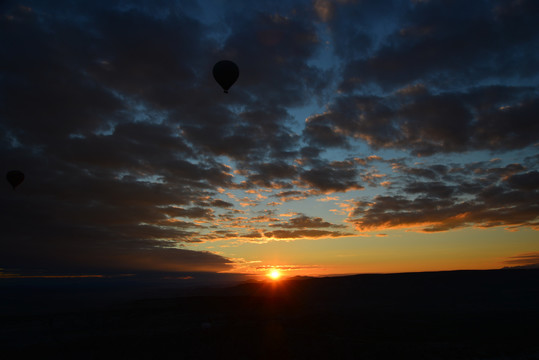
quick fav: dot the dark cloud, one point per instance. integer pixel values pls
(272, 51)
(303, 234)
(428, 172)
(509, 127)
(360, 21)
(277, 47)
(426, 124)
(423, 42)
(433, 189)
(320, 132)
(338, 176)
(443, 197)
(435, 210)
(273, 175)
(523, 261)
(149, 57)
(193, 213)
(528, 181)
(291, 195)
(85, 104)
(128, 260)
(303, 222)
(251, 235)
(416, 77)
(221, 203)
(244, 137)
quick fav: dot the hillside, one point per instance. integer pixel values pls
(439, 315)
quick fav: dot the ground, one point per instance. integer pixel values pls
(441, 315)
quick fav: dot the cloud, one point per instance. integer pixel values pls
(414, 81)
(303, 234)
(435, 197)
(434, 189)
(111, 121)
(422, 42)
(434, 210)
(304, 227)
(277, 47)
(523, 261)
(192, 213)
(221, 203)
(302, 221)
(273, 175)
(528, 181)
(58, 248)
(324, 9)
(328, 198)
(288, 267)
(331, 177)
(426, 123)
(291, 195)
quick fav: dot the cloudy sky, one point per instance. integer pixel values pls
(361, 136)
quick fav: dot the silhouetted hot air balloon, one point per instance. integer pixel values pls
(15, 178)
(226, 73)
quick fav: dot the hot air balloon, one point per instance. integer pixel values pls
(15, 178)
(226, 73)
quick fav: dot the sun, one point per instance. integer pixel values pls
(274, 274)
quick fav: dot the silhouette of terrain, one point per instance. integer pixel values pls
(436, 315)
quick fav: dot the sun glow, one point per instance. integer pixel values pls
(274, 274)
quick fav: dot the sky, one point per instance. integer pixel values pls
(360, 137)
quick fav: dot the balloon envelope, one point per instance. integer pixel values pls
(226, 73)
(15, 178)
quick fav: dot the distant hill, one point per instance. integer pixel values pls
(434, 315)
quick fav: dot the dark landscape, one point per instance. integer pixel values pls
(432, 315)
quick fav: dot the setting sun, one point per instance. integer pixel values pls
(274, 274)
